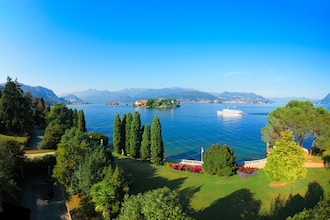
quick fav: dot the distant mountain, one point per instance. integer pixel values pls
(326, 100)
(104, 96)
(151, 93)
(194, 96)
(287, 99)
(72, 99)
(242, 97)
(39, 92)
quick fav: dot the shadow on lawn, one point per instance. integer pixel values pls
(238, 205)
(281, 208)
(142, 176)
(241, 205)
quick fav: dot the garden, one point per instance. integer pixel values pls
(229, 197)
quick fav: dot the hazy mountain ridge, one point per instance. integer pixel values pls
(184, 95)
(326, 100)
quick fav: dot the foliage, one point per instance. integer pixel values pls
(104, 196)
(135, 136)
(11, 160)
(247, 171)
(162, 103)
(52, 136)
(303, 119)
(71, 150)
(15, 109)
(98, 138)
(219, 160)
(117, 134)
(90, 170)
(157, 144)
(145, 143)
(81, 123)
(320, 211)
(161, 204)
(285, 162)
(129, 119)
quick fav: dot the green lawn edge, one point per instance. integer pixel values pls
(211, 196)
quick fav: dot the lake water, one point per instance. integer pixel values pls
(187, 129)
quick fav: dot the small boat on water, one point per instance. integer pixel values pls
(230, 112)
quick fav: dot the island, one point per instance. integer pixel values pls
(157, 103)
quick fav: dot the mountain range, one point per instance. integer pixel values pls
(128, 96)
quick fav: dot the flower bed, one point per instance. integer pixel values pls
(247, 171)
(186, 167)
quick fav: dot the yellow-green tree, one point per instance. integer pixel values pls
(285, 162)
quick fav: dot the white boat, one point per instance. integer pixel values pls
(230, 112)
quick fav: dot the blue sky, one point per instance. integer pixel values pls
(272, 48)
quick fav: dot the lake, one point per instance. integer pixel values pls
(188, 128)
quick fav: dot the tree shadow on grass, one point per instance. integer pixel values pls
(238, 205)
(282, 208)
(142, 176)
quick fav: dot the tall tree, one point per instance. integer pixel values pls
(219, 160)
(285, 162)
(123, 134)
(156, 143)
(128, 124)
(135, 137)
(145, 143)
(81, 121)
(117, 134)
(15, 108)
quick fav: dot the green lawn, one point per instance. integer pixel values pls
(231, 198)
(19, 139)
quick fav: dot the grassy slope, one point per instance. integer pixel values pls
(211, 195)
(19, 139)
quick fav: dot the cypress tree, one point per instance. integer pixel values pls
(135, 139)
(123, 134)
(81, 121)
(117, 134)
(157, 145)
(128, 123)
(145, 144)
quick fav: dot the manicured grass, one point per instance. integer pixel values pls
(19, 139)
(228, 197)
(39, 151)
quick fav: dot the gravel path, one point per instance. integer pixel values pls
(45, 200)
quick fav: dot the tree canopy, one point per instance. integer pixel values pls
(161, 204)
(285, 162)
(15, 109)
(303, 119)
(219, 160)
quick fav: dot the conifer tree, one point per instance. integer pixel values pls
(117, 133)
(81, 121)
(135, 137)
(157, 145)
(128, 123)
(145, 144)
(123, 134)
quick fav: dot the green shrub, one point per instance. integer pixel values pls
(219, 160)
